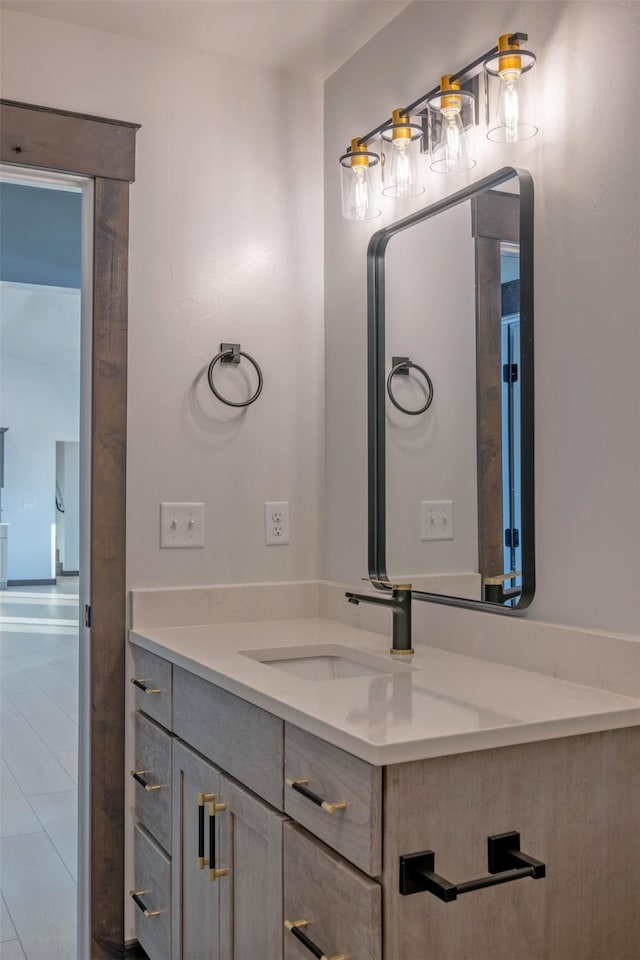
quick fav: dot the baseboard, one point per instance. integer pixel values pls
(134, 951)
(69, 573)
(31, 583)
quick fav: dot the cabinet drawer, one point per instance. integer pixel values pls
(153, 904)
(337, 777)
(153, 779)
(152, 680)
(342, 906)
(244, 740)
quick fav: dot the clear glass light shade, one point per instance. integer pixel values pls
(452, 132)
(402, 161)
(511, 97)
(360, 181)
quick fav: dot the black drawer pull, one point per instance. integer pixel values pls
(136, 895)
(143, 684)
(506, 863)
(301, 787)
(138, 776)
(294, 927)
(210, 861)
(202, 799)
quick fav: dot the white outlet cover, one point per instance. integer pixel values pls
(276, 523)
(181, 525)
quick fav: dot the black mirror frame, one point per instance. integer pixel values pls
(376, 379)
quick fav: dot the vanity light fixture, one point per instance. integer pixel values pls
(360, 178)
(510, 98)
(448, 115)
(401, 157)
(451, 113)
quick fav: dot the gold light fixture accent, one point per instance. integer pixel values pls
(510, 98)
(451, 114)
(360, 179)
(401, 160)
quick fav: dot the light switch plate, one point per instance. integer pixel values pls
(436, 519)
(182, 524)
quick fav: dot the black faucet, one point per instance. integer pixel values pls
(400, 603)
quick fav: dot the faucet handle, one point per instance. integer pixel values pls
(388, 584)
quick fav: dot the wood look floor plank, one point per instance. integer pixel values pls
(63, 693)
(29, 759)
(7, 929)
(58, 814)
(14, 679)
(53, 726)
(68, 760)
(11, 950)
(7, 706)
(16, 815)
(41, 897)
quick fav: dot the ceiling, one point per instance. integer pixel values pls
(306, 37)
(41, 325)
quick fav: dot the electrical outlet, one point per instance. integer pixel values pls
(436, 519)
(182, 524)
(276, 523)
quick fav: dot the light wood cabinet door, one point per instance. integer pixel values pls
(336, 776)
(152, 895)
(153, 680)
(152, 773)
(195, 901)
(251, 891)
(340, 907)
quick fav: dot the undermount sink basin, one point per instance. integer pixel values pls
(326, 662)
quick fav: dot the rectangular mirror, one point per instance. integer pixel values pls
(450, 330)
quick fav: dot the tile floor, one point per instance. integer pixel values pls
(38, 771)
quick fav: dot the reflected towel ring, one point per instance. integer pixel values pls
(231, 353)
(400, 366)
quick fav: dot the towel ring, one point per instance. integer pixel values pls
(400, 366)
(231, 353)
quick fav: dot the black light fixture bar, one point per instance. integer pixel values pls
(467, 73)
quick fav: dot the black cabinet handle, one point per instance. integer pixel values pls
(300, 786)
(136, 895)
(138, 776)
(506, 863)
(210, 861)
(202, 799)
(143, 684)
(294, 927)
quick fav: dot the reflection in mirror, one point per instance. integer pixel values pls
(451, 401)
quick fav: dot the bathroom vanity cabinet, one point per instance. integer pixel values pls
(216, 792)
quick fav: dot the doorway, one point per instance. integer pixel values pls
(45, 333)
(101, 154)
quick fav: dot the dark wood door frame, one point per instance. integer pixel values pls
(496, 220)
(103, 150)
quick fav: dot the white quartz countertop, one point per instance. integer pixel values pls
(437, 703)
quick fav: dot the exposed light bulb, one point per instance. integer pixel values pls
(402, 168)
(511, 108)
(452, 144)
(361, 192)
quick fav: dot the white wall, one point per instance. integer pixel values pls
(226, 245)
(586, 168)
(432, 456)
(40, 406)
(68, 522)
